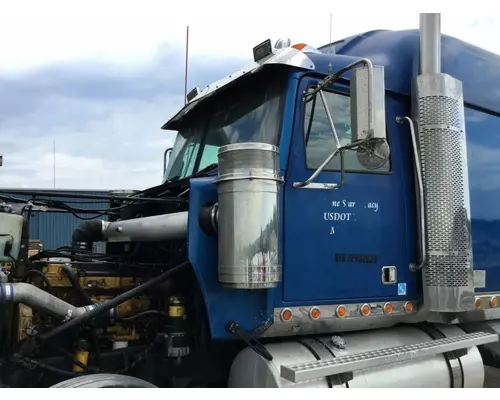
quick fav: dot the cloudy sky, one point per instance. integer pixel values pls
(99, 78)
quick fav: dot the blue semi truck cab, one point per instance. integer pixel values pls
(327, 217)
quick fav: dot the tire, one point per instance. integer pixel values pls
(104, 381)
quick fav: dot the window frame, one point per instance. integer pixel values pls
(341, 88)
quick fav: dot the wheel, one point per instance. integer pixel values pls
(104, 381)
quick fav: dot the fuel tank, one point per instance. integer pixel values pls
(249, 370)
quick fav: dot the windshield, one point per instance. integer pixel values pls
(248, 112)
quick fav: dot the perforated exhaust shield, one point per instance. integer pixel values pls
(448, 282)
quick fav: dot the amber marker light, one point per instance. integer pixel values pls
(387, 308)
(341, 311)
(408, 307)
(365, 310)
(478, 302)
(493, 302)
(314, 313)
(286, 315)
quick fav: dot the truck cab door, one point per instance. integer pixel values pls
(346, 244)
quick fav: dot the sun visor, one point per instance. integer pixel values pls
(294, 56)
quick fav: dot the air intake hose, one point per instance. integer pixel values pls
(40, 300)
(87, 233)
(155, 228)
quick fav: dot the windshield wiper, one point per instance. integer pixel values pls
(207, 169)
(201, 172)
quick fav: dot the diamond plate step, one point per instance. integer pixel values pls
(349, 363)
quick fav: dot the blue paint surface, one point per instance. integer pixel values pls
(307, 250)
(313, 267)
(398, 52)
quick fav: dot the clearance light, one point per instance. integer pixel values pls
(478, 302)
(408, 307)
(286, 315)
(387, 308)
(314, 313)
(365, 310)
(299, 46)
(493, 302)
(341, 311)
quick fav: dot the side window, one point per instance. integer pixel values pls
(209, 156)
(189, 159)
(318, 136)
(483, 153)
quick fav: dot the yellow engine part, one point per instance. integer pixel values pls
(110, 282)
(34, 247)
(122, 333)
(83, 357)
(58, 279)
(129, 307)
(25, 321)
(56, 275)
(176, 308)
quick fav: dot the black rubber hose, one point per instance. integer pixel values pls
(75, 283)
(108, 305)
(41, 275)
(32, 364)
(87, 233)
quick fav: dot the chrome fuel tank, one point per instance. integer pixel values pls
(250, 370)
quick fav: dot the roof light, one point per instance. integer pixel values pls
(192, 94)
(341, 311)
(262, 50)
(282, 43)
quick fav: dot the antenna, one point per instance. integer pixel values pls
(330, 28)
(186, 71)
(54, 157)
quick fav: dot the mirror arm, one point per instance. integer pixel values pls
(330, 120)
(317, 172)
(330, 79)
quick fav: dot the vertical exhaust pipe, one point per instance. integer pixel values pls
(430, 43)
(448, 278)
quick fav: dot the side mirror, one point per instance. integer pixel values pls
(368, 116)
(166, 157)
(368, 109)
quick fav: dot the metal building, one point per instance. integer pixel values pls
(54, 229)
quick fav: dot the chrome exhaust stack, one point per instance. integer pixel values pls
(448, 278)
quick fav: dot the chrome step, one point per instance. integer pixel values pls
(353, 362)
